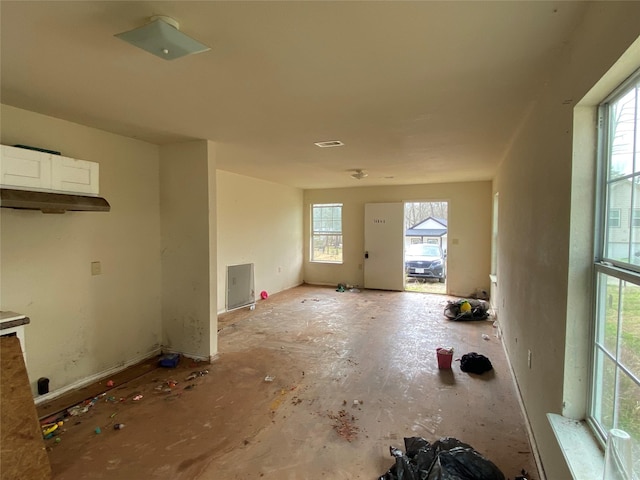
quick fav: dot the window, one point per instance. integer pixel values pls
(326, 236)
(615, 383)
(614, 218)
(635, 217)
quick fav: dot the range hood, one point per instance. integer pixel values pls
(48, 202)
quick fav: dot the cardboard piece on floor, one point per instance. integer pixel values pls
(22, 452)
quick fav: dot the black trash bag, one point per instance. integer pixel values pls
(479, 310)
(475, 363)
(446, 459)
(419, 457)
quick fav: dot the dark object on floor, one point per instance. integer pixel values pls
(475, 363)
(43, 385)
(524, 475)
(447, 459)
(466, 310)
(170, 360)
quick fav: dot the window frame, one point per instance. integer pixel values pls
(606, 267)
(333, 232)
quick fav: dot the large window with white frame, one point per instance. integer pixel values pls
(326, 234)
(615, 379)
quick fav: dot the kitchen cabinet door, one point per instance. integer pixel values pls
(74, 176)
(26, 169)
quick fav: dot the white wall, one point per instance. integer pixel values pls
(469, 231)
(187, 200)
(259, 222)
(538, 261)
(83, 324)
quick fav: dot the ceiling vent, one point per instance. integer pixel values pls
(330, 143)
(359, 174)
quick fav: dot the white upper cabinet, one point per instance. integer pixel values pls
(25, 169)
(71, 175)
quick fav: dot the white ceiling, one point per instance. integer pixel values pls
(419, 92)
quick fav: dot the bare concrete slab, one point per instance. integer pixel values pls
(311, 384)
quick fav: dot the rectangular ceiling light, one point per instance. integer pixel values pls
(330, 143)
(162, 38)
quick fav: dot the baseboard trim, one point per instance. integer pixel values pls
(96, 376)
(527, 423)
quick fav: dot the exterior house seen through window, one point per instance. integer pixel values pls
(614, 218)
(615, 378)
(326, 235)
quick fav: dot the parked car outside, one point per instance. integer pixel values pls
(423, 260)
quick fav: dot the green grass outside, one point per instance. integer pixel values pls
(628, 400)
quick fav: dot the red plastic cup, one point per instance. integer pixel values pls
(445, 356)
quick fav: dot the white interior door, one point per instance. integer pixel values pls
(384, 246)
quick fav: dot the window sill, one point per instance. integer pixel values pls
(579, 447)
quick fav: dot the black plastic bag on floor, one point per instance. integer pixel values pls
(475, 363)
(446, 459)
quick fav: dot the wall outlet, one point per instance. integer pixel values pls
(529, 358)
(96, 268)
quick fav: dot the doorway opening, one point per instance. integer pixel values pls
(425, 247)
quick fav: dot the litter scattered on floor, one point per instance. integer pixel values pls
(137, 397)
(344, 425)
(269, 378)
(486, 337)
(444, 356)
(466, 310)
(119, 426)
(193, 375)
(475, 363)
(445, 459)
(170, 360)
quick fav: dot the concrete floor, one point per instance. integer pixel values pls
(324, 350)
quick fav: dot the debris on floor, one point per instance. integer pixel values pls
(475, 363)
(480, 294)
(460, 310)
(170, 360)
(445, 459)
(193, 375)
(344, 425)
(444, 356)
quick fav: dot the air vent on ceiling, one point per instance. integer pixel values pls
(330, 143)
